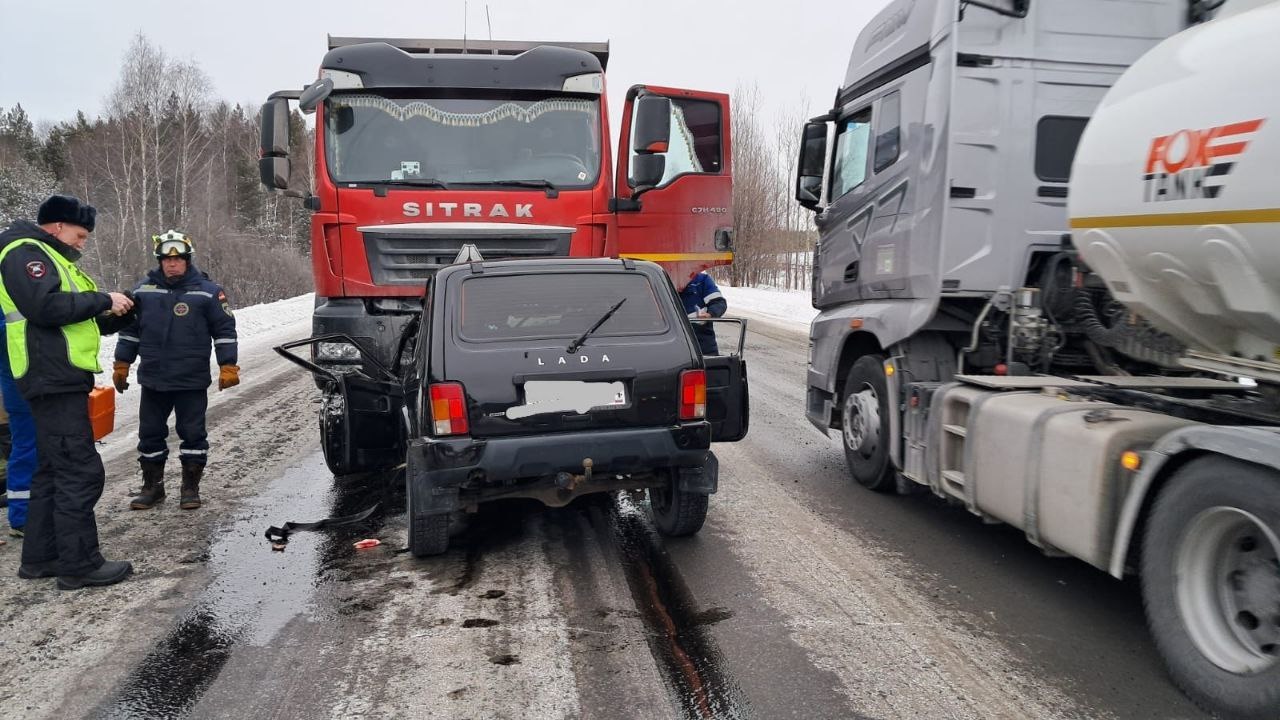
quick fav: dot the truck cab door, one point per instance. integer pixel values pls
(728, 401)
(674, 185)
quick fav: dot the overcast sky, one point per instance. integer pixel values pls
(59, 56)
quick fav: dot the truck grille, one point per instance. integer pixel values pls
(403, 258)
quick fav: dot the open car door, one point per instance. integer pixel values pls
(728, 401)
(362, 427)
(363, 423)
(674, 188)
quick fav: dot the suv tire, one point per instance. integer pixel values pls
(677, 513)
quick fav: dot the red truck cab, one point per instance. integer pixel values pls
(432, 151)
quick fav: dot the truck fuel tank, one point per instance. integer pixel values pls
(1042, 461)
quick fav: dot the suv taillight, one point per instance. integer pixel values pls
(693, 394)
(448, 409)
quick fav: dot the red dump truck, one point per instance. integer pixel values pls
(431, 151)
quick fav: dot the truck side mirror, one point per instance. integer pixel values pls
(813, 156)
(647, 171)
(652, 131)
(651, 134)
(273, 151)
(314, 94)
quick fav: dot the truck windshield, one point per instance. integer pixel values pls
(557, 305)
(374, 139)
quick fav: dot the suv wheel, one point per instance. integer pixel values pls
(675, 512)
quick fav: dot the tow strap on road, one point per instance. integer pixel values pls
(279, 536)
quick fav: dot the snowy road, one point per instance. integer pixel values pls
(803, 597)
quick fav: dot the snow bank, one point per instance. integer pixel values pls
(788, 306)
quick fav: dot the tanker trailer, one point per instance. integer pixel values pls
(1106, 379)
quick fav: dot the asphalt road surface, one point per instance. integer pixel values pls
(803, 597)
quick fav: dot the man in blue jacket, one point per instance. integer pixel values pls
(22, 447)
(181, 317)
(702, 299)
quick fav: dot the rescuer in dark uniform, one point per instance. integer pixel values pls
(54, 315)
(182, 315)
(702, 298)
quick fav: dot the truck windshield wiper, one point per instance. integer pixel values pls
(415, 182)
(550, 187)
(538, 183)
(577, 343)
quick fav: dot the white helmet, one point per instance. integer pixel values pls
(173, 244)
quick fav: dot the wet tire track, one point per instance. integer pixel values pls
(678, 639)
(174, 675)
(674, 629)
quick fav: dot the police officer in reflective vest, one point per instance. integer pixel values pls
(53, 316)
(702, 299)
(181, 314)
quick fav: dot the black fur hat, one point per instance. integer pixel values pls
(66, 209)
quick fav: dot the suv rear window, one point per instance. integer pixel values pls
(554, 305)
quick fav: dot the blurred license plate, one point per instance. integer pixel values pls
(557, 396)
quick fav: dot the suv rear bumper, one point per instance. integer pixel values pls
(444, 465)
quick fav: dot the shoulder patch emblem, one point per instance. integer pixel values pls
(181, 309)
(226, 308)
(36, 270)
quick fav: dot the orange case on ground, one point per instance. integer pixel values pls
(102, 410)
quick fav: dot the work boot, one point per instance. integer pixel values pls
(32, 571)
(108, 573)
(152, 487)
(191, 473)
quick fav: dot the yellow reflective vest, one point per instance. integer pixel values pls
(83, 338)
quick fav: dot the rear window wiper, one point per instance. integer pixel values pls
(577, 343)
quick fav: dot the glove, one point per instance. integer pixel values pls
(228, 376)
(120, 375)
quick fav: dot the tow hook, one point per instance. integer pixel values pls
(569, 481)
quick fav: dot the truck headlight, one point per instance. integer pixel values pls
(337, 352)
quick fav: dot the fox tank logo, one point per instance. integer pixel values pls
(181, 309)
(1196, 164)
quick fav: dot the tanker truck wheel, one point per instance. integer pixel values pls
(864, 420)
(1211, 584)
